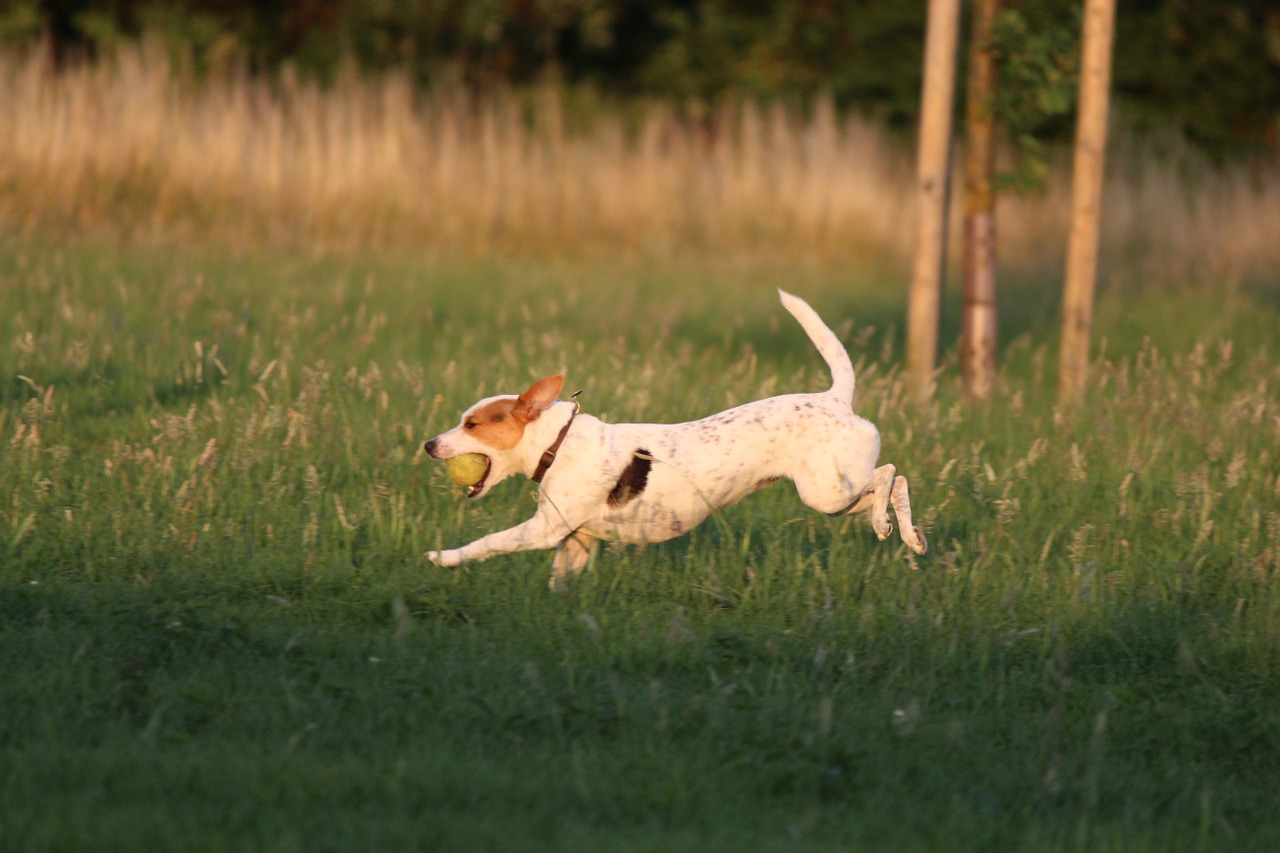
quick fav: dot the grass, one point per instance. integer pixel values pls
(231, 309)
(218, 633)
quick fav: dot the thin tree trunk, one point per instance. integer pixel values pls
(1086, 198)
(924, 307)
(978, 316)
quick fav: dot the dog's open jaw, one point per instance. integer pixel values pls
(479, 487)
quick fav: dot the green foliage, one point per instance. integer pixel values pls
(1210, 70)
(866, 54)
(217, 631)
(20, 22)
(1038, 76)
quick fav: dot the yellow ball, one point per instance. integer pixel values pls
(467, 469)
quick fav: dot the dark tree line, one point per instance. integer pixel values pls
(1210, 69)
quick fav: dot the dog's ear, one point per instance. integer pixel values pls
(539, 396)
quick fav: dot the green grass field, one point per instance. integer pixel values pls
(217, 631)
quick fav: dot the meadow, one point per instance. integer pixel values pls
(217, 630)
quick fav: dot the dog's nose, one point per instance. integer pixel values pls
(430, 447)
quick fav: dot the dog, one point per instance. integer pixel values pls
(643, 483)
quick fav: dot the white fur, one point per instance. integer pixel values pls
(693, 468)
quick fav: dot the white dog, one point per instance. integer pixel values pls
(652, 482)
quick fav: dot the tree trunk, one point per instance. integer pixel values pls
(934, 155)
(1086, 198)
(978, 316)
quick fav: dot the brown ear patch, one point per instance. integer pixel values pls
(494, 426)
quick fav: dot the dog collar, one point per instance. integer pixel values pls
(549, 455)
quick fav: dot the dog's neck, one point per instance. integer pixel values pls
(545, 437)
(548, 457)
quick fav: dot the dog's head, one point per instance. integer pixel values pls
(496, 428)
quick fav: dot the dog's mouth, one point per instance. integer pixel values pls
(476, 490)
(469, 470)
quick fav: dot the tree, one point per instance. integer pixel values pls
(925, 297)
(978, 315)
(1086, 198)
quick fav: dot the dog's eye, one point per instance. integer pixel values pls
(469, 425)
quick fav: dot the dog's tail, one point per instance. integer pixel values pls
(829, 346)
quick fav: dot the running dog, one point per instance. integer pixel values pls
(652, 482)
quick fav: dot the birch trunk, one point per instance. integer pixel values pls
(978, 319)
(1086, 199)
(925, 297)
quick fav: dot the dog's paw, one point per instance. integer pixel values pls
(921, 544)
(445, 559)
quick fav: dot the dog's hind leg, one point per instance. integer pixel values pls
(896, 493)
(886, 488)
(571, 558)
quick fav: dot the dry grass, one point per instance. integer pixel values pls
(139, 147)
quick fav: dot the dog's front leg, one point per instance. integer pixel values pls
(571, 558)
(536, 534)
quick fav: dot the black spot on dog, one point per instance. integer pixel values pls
(633, 480)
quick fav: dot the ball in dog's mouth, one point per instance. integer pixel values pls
(468, 469)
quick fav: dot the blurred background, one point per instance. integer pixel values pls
(563, 126)
(1209, 72)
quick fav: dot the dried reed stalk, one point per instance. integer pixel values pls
(138, 146)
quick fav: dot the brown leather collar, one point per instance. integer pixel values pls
(549, 455)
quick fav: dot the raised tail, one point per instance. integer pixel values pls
(829, 346)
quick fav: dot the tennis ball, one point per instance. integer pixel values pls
(467, 469)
